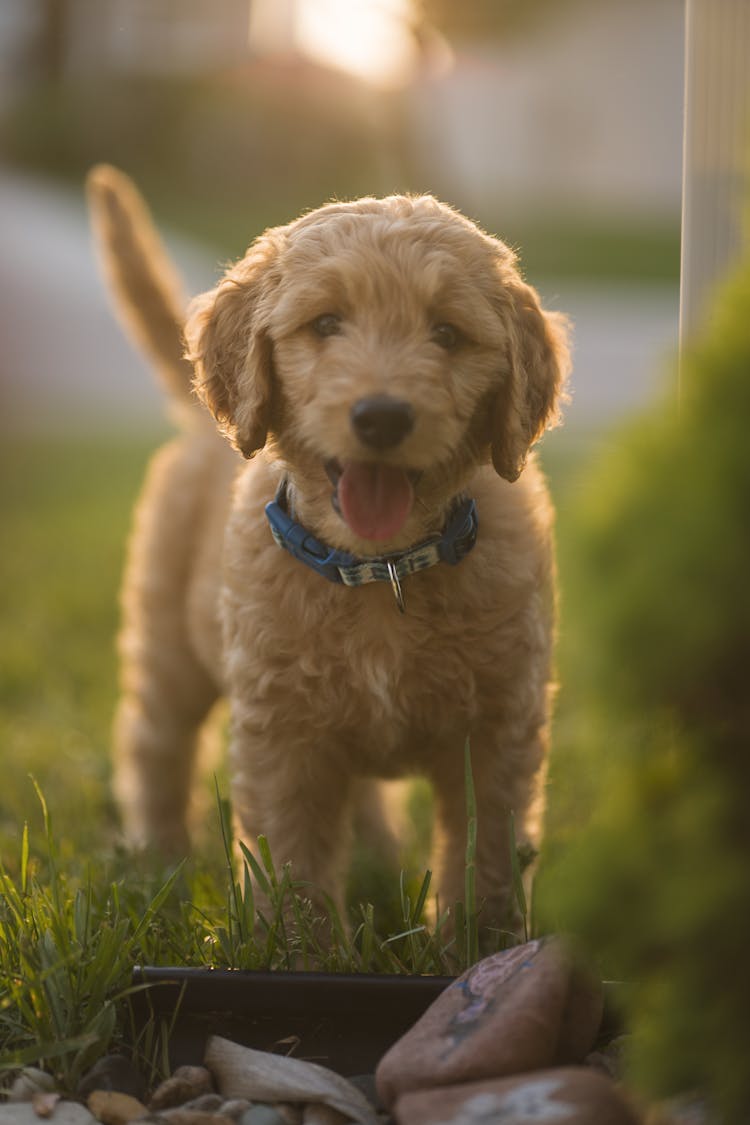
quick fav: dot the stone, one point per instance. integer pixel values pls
(241, 1072)
(687, 1109)
(365, 1083)
(29, 1082)
(208, 1103)
(318, 1113)
(610, 1058)
(44, 1102)
(113, 1108)
(262, 1114)
(66, 1113)
(181, 1115)
(528, 1008)
(234, 1108)
(291, 1112)
(113, 1072)
(185, 1085)
(562, 1096)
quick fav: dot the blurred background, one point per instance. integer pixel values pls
(556, 124)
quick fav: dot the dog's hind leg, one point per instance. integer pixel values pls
(165, 692)
(155, 749)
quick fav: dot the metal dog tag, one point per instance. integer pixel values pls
(396, 586)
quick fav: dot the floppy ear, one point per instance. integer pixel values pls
(228, 344)
(538, 363)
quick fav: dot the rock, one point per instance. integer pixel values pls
(233, 1109)
(185, 1085)
(66, 1113)
(291, 1112)
(527, 1008)
(44, 1103)
(113, 1072)
(29, 1082)
(262, 1114)
(241, 1072)
(207, 1103)
(113, 1108)
(689, 1109)
(318, 1113)
(181, 1115)
(564, 1096)
(365, 1083)
(609, 1059)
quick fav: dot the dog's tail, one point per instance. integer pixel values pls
(147, 291)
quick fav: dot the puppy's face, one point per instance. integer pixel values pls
(386, 345)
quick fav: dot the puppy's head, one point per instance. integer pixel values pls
(389, 344)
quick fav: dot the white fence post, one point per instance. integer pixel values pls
(716, 185)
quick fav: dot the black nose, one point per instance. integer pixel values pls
(381, 421)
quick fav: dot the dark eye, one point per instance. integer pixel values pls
(329, 324)
(446, 336)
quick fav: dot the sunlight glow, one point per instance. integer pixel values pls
(371, 39)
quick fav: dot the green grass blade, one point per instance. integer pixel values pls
(25, 858)
(470, 893)
(258, 873)
(517, 874)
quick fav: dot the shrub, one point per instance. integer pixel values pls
(657, 884)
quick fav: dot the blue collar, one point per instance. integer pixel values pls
(456, 540)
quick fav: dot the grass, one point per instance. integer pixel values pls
(69, 941)
(64, 506)
(76, 912)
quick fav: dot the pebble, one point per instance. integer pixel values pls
(365, 1083)
(29, 1082)
(113, 1108)
(66, 1113)
(205, 1103)
(113, 1072)
(563, 1096)
(318, 1113)
(690, 1109)
(609, 1060)
(260, 1114)
(44, 1102)
(241, 1072)
(185, 1085)
(234, 1108)
(528, 1008)
(181, 1115)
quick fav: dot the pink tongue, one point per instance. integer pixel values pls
(375, 500)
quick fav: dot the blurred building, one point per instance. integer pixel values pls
(582, 110)
(66, 37)
(585, 113)
(157, 36)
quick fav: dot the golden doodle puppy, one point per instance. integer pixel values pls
(358, 554)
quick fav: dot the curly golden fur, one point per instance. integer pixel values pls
(401, 300)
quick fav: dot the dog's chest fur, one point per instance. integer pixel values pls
(346, 657)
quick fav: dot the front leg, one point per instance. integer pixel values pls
(289, 786)
(506, 763)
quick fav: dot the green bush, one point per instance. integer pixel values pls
(657, 885)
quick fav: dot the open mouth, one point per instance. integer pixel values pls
(372, 498)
